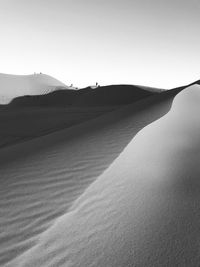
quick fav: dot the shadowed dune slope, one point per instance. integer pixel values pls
(143, 210)
(112, 95)
(22, 124)
(12, 86)
(41, 178)
(101, 96)
(27, 117)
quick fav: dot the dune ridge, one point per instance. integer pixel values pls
(30, 116)
(138, 212)
(112, 95)
(46, 107)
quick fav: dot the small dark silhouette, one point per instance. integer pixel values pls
(97, 85)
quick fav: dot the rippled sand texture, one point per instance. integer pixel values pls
(22, 124)
(143, 210)
(57, 206)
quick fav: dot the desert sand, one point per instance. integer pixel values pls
(12, 86)
(101, 185)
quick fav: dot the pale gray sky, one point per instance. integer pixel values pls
(149, 42)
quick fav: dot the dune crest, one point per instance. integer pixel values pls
(48, 108)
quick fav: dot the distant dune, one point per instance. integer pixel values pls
(37, 85)
(100, 177)
(12, 86)
(113, 95)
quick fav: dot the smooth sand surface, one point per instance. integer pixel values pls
(12, 86)
(112, 95)
(143, 210)
(41, 178)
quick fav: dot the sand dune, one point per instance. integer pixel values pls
(12, 86)
(103, 182)
(113, 95)
(30, 116)
(143, 210)
(40, 179)
(22, 124)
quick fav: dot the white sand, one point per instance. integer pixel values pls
(144, 210)
(12, 86)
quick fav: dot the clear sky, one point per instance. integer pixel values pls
(149, 42)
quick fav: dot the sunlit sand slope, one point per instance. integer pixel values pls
(40, 179)
(12, 86)
(144, 210)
